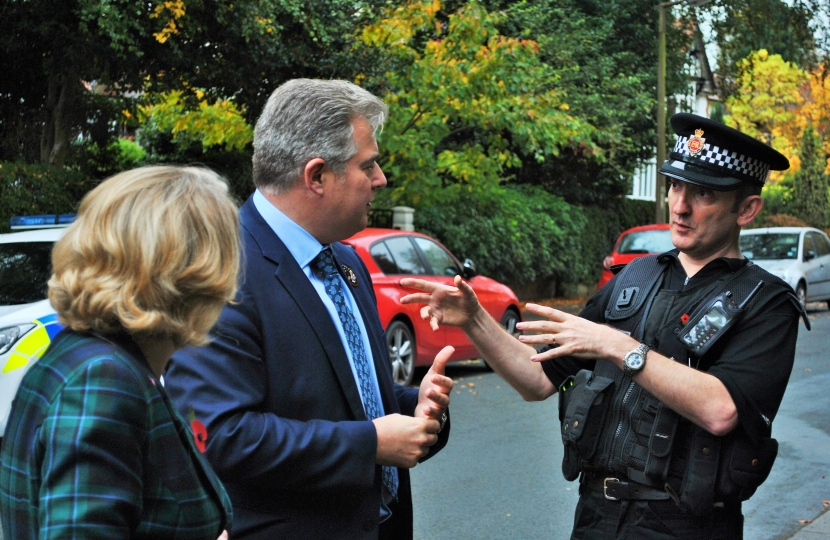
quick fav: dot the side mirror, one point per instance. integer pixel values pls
(469, 269)
(810, 255)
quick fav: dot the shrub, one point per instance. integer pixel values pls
(516, 234)
(39, 189)
(521, 234)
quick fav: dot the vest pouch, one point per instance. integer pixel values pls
(583, 402)
(746, 466)
(660, 443)
(697, 494)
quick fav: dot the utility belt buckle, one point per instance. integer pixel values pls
(605, 489)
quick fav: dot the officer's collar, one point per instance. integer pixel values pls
(713, 267)
(732, 264)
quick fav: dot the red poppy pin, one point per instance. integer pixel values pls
(199, 430)
(684, 318)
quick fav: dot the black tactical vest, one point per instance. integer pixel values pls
(613, 426)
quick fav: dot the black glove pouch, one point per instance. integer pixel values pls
(746, 465)
(583, 402)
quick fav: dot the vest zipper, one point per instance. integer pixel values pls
(611, 454)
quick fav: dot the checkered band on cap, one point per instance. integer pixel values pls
(727, 160)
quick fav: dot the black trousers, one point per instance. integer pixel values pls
(597, 518)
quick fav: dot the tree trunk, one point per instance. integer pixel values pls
(60, 102)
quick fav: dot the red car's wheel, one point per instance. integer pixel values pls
(401, 352)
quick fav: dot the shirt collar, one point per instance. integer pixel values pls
(712, 267)
(299, 242)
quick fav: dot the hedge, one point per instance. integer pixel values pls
(522, 235)
(39, 189)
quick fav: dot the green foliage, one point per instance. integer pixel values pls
(605, 61)
(118, 46)
(38, 189)
(235, 165)
(810, 183)
(523, 234)
(781, 27)
(515, 234)
(778, 201)
(96, 161)
(189, 120)
(764, 105)
(464, 102)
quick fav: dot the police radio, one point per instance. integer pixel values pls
(712, 321)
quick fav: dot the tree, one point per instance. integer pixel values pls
(784, 28)
(465, 101)
(69, 65)
(810, 183)
(220, 123)
(605, 61)
(766, 102)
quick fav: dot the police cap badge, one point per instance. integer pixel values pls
(722, 160)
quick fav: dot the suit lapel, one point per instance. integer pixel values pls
(291, 277)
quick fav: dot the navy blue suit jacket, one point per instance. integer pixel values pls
(286, 429)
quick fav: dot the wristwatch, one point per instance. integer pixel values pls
(635, 360)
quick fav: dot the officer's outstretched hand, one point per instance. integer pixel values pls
(574, 336)
(453, 306)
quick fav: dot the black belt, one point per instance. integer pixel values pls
(615, 489)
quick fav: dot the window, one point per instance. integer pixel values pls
(771, 246)
(809, 246)
(380, 253)
(442, 263)
(643, 242)
(404, 257)
(25, 268)
(822, 244)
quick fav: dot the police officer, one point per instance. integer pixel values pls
(671, 376)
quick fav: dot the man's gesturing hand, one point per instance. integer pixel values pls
(434, 395)
(403, 440)
(453, 306)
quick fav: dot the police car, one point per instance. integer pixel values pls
(27, 321)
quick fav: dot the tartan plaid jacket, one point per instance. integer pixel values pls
(94, 449)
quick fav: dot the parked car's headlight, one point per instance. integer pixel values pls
(10, 335)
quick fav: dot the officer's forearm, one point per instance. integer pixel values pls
(509, 357)
(701, 398)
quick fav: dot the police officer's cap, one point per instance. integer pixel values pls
(710, 154)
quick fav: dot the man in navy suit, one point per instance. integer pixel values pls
(305, 427)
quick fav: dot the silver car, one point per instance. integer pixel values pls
(798, 255)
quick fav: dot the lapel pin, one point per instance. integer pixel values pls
(351, 277)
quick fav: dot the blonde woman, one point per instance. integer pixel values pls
(93, 448)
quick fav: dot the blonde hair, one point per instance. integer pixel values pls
(153, 251)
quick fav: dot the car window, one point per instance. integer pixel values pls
(25, 268)
(770, 246)
(656, 241)
(380, 253)
(442, 263)
(406, 257)
(822, 244)
(809, 245)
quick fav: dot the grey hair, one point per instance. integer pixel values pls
(306, 119)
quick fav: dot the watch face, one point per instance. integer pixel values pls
(634, 361)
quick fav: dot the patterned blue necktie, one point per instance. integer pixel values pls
(325, 267)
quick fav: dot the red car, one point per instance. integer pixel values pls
(390, 255)
(633, 243)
